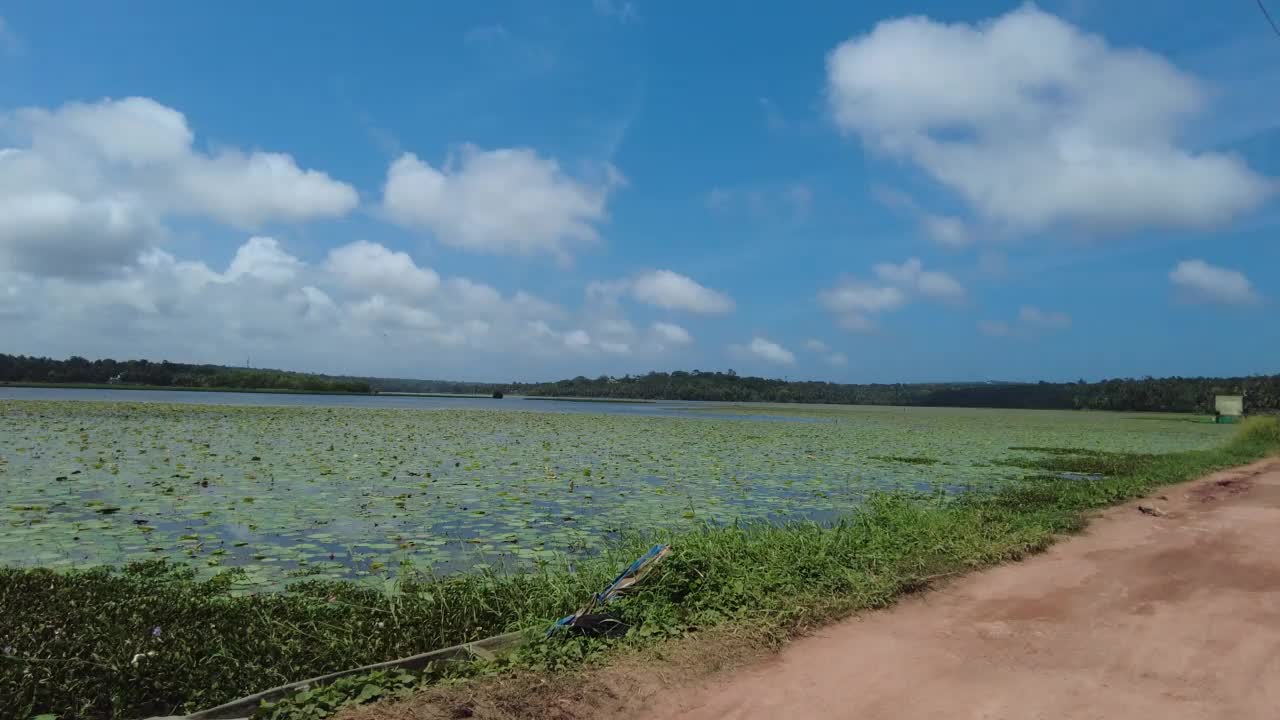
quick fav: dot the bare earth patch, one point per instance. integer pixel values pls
(1173, 615)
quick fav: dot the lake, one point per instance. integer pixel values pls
(291, 486)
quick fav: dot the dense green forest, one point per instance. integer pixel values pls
(1175, 394)
(78, 370)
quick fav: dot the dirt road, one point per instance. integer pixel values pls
(1174, 614)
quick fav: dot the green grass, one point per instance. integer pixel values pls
(154, 640)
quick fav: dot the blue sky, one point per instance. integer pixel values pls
(860, 192)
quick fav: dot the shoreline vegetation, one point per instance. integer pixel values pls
(151, 639)
(1172, 394)
(183, 388)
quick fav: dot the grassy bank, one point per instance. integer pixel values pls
(150, 640)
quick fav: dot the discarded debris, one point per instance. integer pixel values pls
(1151, 510)
(586, 622)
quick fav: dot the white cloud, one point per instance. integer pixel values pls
(837, 359)
(855, 302)
(85, 188)
(1031, 321)
(946, 230)
(764, 349)
(861, 298)
(263, 258)
(1035, 317)
(664, 289)
(364, 308)
(620, 10)
(577, 339)
(912, 277)
(1036, 123)
(1198, 281)
(54, 233)
(673, 291)
(388, 315)
(508, 201)
(247, 190)
(372, 267)
(670, 334)
(815, 345)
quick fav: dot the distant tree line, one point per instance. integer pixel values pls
(24, 369)
(432, 386)
(1174, 394)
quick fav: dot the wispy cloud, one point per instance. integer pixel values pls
(773, 117)
(620, 10)
(10, 43)
(1031, 321)
(485, 34)
(946, 230)
(792, 201)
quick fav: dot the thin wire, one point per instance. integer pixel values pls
(1267, 15)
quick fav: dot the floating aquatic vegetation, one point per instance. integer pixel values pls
(337, 492)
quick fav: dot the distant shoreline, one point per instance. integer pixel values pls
(625, 401)
(178, 388)
(471, 396)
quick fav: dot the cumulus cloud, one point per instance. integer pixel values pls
(815, 345)
(673, 291)
(836, 359)
(764, 349)
(855, 302)
(670, 334)
(85, 188)
(912, 277)
(373, 267)
(1036, 123)
(264, 259)
(509, 201)
(664, 289)
(55, 233)
(1198, 281)
(363, 308)
(1031, 321)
